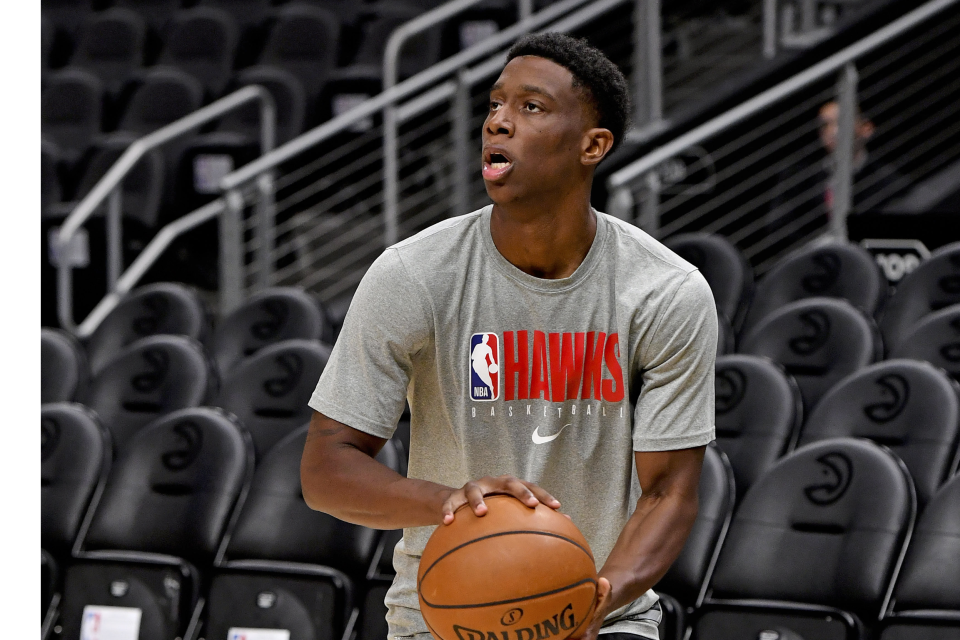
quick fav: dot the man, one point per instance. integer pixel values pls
(584, 315)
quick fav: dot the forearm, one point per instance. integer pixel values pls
(343, 479)
(648, 545)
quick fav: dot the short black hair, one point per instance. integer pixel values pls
(601, 83)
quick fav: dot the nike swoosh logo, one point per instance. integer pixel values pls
(539, 439)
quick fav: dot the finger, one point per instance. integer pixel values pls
(474, 493)
(519, 490)
(452, 503)
(542, 495)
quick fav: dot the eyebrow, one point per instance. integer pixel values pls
(529, 88)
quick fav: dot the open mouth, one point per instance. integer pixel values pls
(495, 165)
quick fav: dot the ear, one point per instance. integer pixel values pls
(595, 145)
(866, 129)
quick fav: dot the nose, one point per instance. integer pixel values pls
(497, 122)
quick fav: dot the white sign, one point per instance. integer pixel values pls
(343, 102)
(209, 169)
(476, 31)
(243, 633)
(75, 255)
(110, 623)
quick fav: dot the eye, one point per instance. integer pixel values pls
(532, 107)
(494, 105)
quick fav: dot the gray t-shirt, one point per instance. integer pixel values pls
(507, 373)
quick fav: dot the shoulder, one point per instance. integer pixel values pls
(641, 257)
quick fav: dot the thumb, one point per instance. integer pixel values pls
(603, 592)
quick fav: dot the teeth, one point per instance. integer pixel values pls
(499, 165)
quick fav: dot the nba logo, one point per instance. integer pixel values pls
(484, 366)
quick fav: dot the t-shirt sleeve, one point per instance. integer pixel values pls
(675, 409)
(364, 384)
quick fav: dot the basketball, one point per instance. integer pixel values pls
(515, 573)
(494, 368)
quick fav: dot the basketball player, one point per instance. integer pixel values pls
(604, 340)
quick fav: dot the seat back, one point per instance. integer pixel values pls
(71, 111)
(835, 271)
(157, 13)
(686, 579)
(725, 335)
(75, 459)
(51, 191)
(933, 285)
(419, 51)
(63, 366)
(928, 579)
(758, 413)
(304, 41)
(149, 379)
(203, 42)
(909, 406)
(112, 47)
(289, 99)
(161, 308)
(269, 391)
(936, 339)
(276, 523)
(268, 317)
(726, 270)
(173, 489)
(167, 94)
(826, 525)
(818, 341)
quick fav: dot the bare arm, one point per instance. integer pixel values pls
(339, 475)
(656, 532)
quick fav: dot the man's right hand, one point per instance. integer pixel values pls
(473, 492)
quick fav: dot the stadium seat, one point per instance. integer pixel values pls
(149, 379)
(289, 99)
(758, 415)
(166, 94)
(202, 42)
(48, 35)
(63, 366)
(936, 339)
(909, 406)
(684, 585)
(265, 318)
(835, 271)
(49, 591)
(162, 515)
(269, 391)
(933, 285)
(346, 88)
(419, 52)
(75, 461)
(726, 270)
(71, 109)
(304, 41)
(246, 13)
(372, 622)
(926, 597)
(112, 47)
(818, 341)
(67, 15)
(51, 191)
(279, 546)
(812, 547)
(161, 308)
(157, 13)
(725, 336)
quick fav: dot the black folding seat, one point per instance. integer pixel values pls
(936, 339)
(150, 378)
(348, 12)
(305, 41)
(50, 188)
(163, 512)
(725, 335)
(112, 47)
(933, 285)
(157, 13)
(835, 271)
(817, 340)
(371, 624)
(75, 461)
(726, 270)
(48, 36)
(909, 406)
(165, 95)
(346, 88)
(161, 308)
(203, 41)
(265, 318)
(63, 366)
(758, 415)
(66, 15)
(813, 546)
(308, 560)
(289, 99)
(71, 111)
(926, 597)
(269, 391)
(419, 52)
(684, 585)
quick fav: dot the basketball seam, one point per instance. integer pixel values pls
(512, 601)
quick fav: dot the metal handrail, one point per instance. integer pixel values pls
(756, 104)
(110, 184)
(398, 92)
(421, 23)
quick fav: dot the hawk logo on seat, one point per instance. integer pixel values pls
(836, 469)
(817, 324)
(731, 385)
(189, 439)
(155, 308)
(828, 270)
(895, 391)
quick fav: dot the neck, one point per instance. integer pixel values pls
(546, 240)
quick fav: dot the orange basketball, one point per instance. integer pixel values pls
(515, 573)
